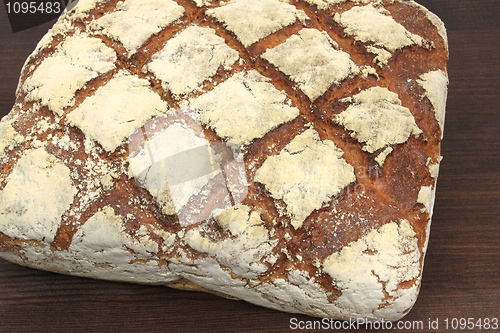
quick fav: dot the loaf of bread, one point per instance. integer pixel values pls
(280, 152)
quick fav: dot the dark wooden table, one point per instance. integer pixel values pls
(462, 270)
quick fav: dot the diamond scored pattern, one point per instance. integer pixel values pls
(305, 174)
(126, 101)
(190, 58)
(301, 165)
(311, 60)
(251, 22)
(246, 100)
(132, 23)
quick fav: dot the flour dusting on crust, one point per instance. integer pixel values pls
(251, 21)
(378, 119)
(78, 60)
(301, 175)
(367, 24)
(112, 114)
(324, 4)
(244, 253)
(279, 152)
(191, 57)
(36, 214)
(312, 60)
(383, 258)
(435, 84)
(131, 23)
(253, 102)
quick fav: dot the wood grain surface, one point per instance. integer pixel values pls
(462, 269)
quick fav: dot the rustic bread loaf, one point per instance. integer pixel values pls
(280, 152)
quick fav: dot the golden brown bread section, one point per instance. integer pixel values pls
(321, 122)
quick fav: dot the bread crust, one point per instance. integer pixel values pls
(320, 194)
